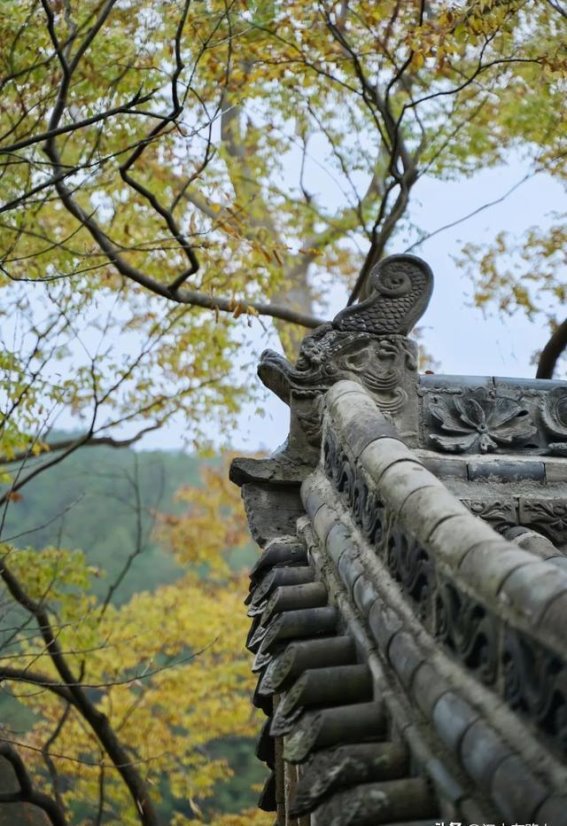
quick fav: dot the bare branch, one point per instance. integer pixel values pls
(558, 7)
(51, 768)
(552, 352)
(97, 721)
(81, 441)
(27, 794)
(127, 177)
(476, 211)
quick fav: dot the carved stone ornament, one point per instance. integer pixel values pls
(499, 513)
(535, 684)
(554, 416)
(548, 516)
(328, 356)
(366, 343)
(401, 287)
(478, 421)
(468, 630)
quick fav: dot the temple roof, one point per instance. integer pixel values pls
(409, 605)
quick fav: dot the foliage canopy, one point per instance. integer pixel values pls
(241, 157)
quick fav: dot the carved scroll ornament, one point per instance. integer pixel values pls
(365, 343)
(401, 287)
(554, 416)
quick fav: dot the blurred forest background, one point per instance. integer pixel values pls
(113, 504)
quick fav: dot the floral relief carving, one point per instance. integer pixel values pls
(501, 514)
(479, 421)
(554, 416)
(547, 516)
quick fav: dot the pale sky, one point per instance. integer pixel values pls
(458, 335)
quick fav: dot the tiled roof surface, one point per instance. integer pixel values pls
(409, 606)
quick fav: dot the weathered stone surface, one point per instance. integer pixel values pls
(302, 623)
(402, 479)
(531, 541)
(262, 701)
(364, 595)
(424, 509)
(338, 541)
(255, 635)
(293, 597)
(322, 687)
(555, 471)
(445, 570)
(276, 470)
(298, 656)
(272, 510)
(455, 467)
(554, 417)
(554, 619)
(263, 658)
(516, 791)
(365, 343)
(499, 512)
(400, 287)
(487, 566)
(534, 587)
(483, 415)
(375, 803)
(277, 577)
(283, 550)
(364, 427)
(452, 716)
(438, 382)
(267, 800)
(381, 454)
(482, 751)
(350, 569)
(427, 688)
(553, 811)
(266, 745)
(455, 536)
(548, 515)
(505, 471)
(383, 623)
(333, 769)
(334, 726)
(404, 656)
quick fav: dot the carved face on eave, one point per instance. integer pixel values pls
(379, 363)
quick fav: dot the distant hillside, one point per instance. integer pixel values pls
(92, 500)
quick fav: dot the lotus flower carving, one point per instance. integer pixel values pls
(479, 421)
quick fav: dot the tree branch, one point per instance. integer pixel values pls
(27, 794)
(125, 108)
(97, 721)
(79, 441)
(552, 351)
